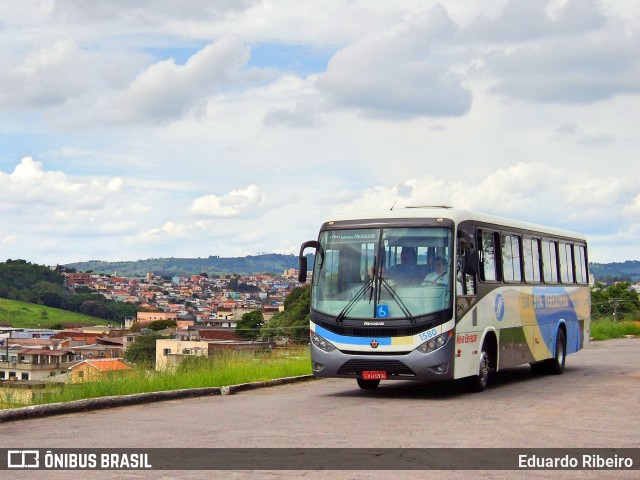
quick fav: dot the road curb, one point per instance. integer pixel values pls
(37, 411)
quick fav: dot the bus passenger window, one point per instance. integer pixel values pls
(581, 265)
(511, 258)
(531, 248)
(566, 264)
(488, 271)
(549, 261)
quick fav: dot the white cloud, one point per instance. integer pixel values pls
(303, 114)
(232, 204)
(405, 71)
(579, 57)
(166, 91)
(521, 20)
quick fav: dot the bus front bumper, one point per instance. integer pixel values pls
(414, 365)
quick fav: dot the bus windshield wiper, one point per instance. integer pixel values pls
(397, 298)
(352, 302)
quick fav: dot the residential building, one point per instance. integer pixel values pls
(92, 370)
(36, 364)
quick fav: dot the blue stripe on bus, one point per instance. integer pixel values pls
(334, 337)
(549, 313)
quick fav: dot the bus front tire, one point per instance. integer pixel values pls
(368, 384)
(477, 383)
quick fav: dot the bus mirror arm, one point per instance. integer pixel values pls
(302, 260)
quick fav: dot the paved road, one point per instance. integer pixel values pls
(594, 404)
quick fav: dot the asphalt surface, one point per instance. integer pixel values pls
(593, 404)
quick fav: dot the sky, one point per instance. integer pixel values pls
(155, 128)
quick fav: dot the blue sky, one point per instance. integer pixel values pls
(229, 128)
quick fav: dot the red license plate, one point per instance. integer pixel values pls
(374, 375)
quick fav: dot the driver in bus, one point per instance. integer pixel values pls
(439, 275)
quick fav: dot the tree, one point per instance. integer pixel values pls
(617, 301)
(143, 351)
(294, 321)
(161, 325)
(49, 294)
(250, 324)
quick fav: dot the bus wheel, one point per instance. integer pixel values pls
(555, 365)
(477, 383)
(368, 384)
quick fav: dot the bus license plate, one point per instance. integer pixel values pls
(374, 375)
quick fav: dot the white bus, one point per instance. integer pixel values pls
(436, 293)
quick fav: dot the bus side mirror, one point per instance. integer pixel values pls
(302, 260)
(302, 269)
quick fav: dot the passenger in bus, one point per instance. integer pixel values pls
(439, 275)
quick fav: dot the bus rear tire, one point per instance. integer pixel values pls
(368, 384)
(555, 365)
(477, 383)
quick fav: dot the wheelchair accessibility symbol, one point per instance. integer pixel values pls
(382, 311)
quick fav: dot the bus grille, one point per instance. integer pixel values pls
(392, 367)
(373, 332)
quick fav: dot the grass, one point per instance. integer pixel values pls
(605, 329)
(223, 370)
(30, 315)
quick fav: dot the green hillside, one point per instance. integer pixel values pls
(30, 315)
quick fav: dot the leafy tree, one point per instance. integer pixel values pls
(250, 324)
(293, 322)
(142, 352)
(49, 294)
(95, 309)
(233, 282)
(83, 289)
(161, 325)
(617, 301)
(22, 276)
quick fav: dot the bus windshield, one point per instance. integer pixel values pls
(388, 273)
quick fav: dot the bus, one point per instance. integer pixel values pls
(438, 293)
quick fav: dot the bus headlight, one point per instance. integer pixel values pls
(435, 343)
(321, 343)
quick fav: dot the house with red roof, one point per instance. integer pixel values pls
(92, 370)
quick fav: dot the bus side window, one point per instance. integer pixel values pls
(511, 270)
(488, 257)
(566, 263)
(549, 261)
(531, 260)
(580, 262)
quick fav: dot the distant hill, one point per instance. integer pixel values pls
(277, 263)
(604, 272)
(212, 265)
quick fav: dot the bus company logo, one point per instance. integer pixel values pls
(499, 307)
(23, 459)
(374, 344)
